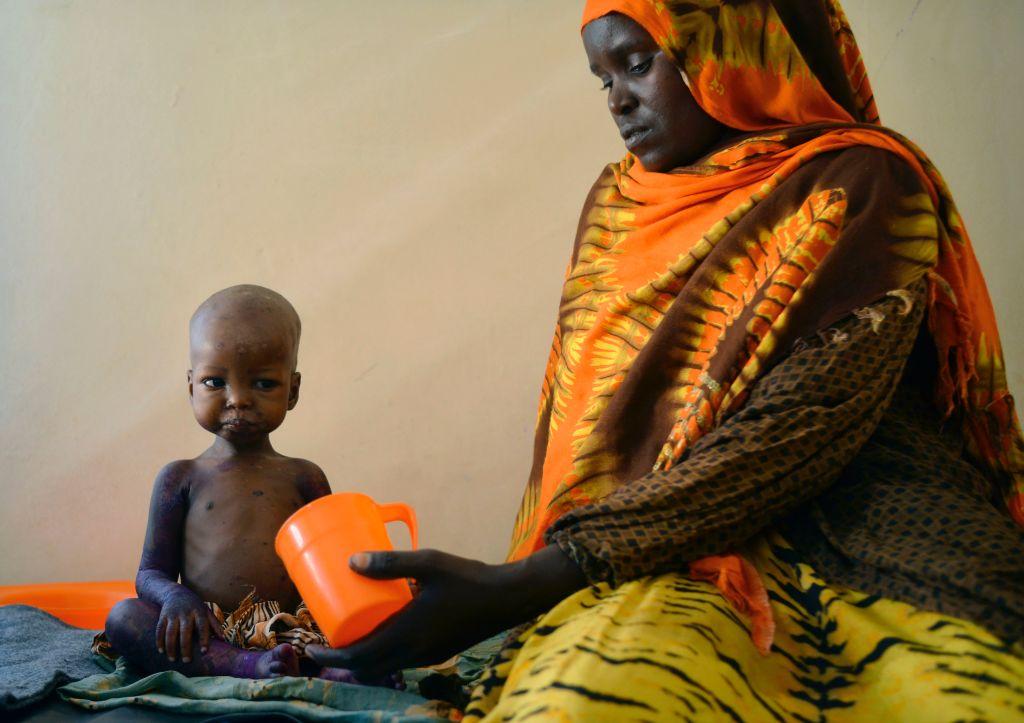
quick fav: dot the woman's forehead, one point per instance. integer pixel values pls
(615, 35)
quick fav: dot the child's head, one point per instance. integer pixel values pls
(243, 347)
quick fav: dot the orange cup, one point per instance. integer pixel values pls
(315, 544)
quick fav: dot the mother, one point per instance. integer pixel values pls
(775, 369)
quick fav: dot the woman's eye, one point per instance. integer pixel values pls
(605, 85)
(213, 383)
(641, 68)
(265, 384)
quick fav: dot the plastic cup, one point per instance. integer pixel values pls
(315, 544)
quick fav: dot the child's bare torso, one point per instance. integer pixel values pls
(235, 508)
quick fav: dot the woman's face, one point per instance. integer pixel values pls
(656, 114)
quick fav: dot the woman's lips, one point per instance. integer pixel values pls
(635, 136)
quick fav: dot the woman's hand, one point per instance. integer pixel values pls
(182, 617)
(460, 602)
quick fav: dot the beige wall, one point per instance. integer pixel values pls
(409, 174)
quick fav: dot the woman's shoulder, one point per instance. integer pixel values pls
(873, 184)
(863, 169)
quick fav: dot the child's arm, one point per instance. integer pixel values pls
(182, 613)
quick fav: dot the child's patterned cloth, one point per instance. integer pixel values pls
(254, 625)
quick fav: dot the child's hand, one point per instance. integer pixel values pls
(182, 616)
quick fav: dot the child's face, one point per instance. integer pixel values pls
(241, 382)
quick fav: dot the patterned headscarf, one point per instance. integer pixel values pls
(791, 71)
(742, 65)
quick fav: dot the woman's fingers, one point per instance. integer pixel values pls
(171, 639)
(390, 565)
(383, 651)
(327, 657)
(445, 613)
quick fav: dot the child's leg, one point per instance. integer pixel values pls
(131, 629)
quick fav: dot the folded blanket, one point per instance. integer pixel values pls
(304, 698)
(39, 653)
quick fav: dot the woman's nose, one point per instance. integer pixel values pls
(621, 100)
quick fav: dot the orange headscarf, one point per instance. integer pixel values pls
(739, 61)
(744, 68)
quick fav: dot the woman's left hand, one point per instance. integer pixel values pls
(459, 603)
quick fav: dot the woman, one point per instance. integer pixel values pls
(776, 369)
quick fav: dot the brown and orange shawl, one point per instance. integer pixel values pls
(685, 287)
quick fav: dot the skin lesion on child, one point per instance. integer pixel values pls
(213, 519)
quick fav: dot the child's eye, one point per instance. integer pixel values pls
(213, 383)
(641, 68)
(265, 384)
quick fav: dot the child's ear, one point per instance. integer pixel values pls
(189, 383)
(293, 390)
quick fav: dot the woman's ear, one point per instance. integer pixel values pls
(293, 390)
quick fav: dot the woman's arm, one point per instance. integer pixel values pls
(460, 602)
(804, 421)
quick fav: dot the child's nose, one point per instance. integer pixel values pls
(239, 398)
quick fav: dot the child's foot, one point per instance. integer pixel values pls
(278, 662)
(275, 663)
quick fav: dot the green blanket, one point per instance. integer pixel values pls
(304, 698)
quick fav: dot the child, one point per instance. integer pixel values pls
(212, 519)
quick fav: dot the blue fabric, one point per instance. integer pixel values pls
(38, 654)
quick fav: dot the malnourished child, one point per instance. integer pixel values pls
(213, 519)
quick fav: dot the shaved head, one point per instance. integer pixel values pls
(246, 318)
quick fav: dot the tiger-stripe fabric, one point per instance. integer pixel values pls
(261, 625)
(840, 445)
(671, 648)
(254, 625)
(920, 616)
(774, 430)
(684, 287)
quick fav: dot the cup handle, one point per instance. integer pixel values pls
(400, 512)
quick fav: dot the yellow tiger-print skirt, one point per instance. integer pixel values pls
(670, 648)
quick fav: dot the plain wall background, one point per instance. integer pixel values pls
(409, 174)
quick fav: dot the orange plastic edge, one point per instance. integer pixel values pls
(81, 604)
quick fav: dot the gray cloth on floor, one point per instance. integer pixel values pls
(38, 654)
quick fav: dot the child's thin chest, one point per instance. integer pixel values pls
(250, 498)
(228, 541)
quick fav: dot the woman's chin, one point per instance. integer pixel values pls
(652, 162)
(655, 159)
